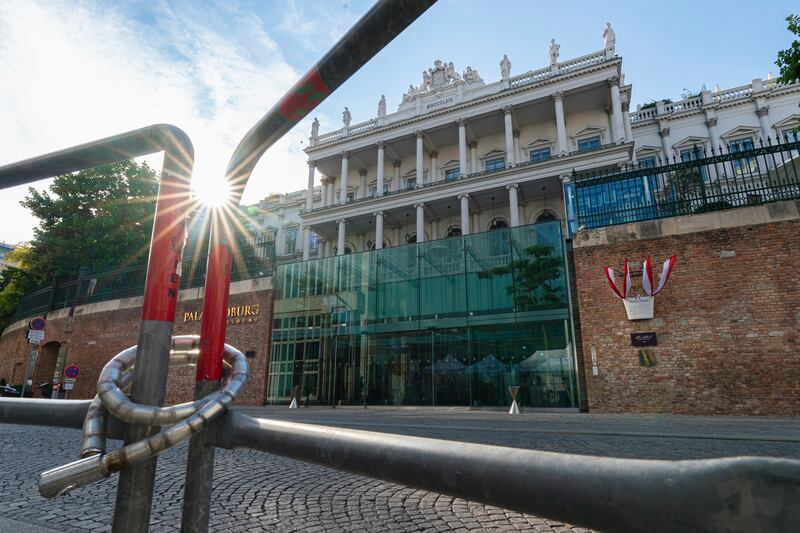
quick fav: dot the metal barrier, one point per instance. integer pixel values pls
(612, 494)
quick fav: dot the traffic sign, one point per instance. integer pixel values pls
(72, 371)
(69, 386)
(35, 336)
(37, 324)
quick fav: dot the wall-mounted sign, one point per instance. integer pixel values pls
(644, 339)
(35, 336)
(37, 324)
(72, 371)
(439, 103)
(639, 307)
(237, 314)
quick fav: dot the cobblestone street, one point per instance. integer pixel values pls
(259, 492)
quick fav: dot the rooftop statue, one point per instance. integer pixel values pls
(452, 75)
(426, 81)
(609, 37)
(472, 76)
(346, 117)
(505, 67)
(382, 106)
(554, 48)
(315, 127)
(411, 94)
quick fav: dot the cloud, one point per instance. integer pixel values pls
(319, 28)
(75, 72)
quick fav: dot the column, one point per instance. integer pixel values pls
(362, 242)
(379, 230)
(517, 149)
(616, 109)
(396, 236)
(434, 230)
(626, 122)
(343, 180)
(612, 128)
(380, 169)
(420, 222)
(511, 158)
(340, 242)
(396, 176)
(475, 223)
(420, 162)
(434, 176)
(323, 247)
(473, 158)
(464, 198)
(713, 135)
(513, 204)
(324, 192)
(332, 190)
(462, 147)
(280, 238)
(561, 127)
(665, 147)
(312, 166)
(362, 183)
(306, 243)
(763, 121)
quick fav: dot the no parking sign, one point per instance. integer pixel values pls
(72, 371)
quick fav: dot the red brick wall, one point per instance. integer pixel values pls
(97, 337)
(727, 324)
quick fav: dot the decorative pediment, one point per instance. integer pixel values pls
(588, 131)
(493, 153)
(690, 141)
(453, 163)
(789, 122)
(646, 150)
(740, 131)
(539, 143)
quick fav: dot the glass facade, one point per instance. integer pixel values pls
(447, 322)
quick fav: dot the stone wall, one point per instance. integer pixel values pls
(101, 330)
(727, 322)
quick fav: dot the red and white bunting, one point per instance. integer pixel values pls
(626, 281)
(666, 270)
(647, 275)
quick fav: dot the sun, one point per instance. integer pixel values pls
(212, 192)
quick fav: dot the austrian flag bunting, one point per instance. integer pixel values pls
(647, 275)
(621, 292)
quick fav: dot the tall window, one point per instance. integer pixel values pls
(291, 240)
(493, 165)
(411, 183)
(541, 154)
(693, 154)
(313, 241)
(452, 174)
(453, 231)
(791, 135)
(586, 145)
(373, 189)
(746, 165)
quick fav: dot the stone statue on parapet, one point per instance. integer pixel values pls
(315, 127)
(609, 37)
(554, 48)
(411, 94)
(346, 117)
(472, 76)
(505, 67)
(382, 106)
(452, 75)
(426, 81)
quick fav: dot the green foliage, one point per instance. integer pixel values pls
(536, 277)
(684, 184)
(652, 103)
(99, 218)
(789, 60)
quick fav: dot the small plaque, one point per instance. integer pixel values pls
(644, 339)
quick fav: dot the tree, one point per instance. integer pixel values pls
(100, 218)
(789, 60)
(536, 278)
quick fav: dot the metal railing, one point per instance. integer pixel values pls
(254, 258)
(702, 182)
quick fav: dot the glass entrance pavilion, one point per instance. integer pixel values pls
(447, 322)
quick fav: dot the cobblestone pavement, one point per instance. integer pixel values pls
(259, 492)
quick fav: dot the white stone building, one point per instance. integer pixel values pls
(278, 216)
(461, 155)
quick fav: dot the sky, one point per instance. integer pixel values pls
(79, 70)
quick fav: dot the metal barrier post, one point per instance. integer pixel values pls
(382, 23)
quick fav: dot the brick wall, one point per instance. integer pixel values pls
(100, 331)
(727, 322)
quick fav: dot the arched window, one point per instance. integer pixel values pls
(497, 223)
(411, 238)
(371, 244)
(546, 216)
(453, 231)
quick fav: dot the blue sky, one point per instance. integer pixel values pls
(79, 70)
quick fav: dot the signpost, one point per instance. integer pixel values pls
(35, 336)
(37, 324)
(72, 372)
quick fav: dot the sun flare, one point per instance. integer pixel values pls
(212, 193)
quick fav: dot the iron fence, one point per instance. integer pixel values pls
(254, 258)
(696, 180)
